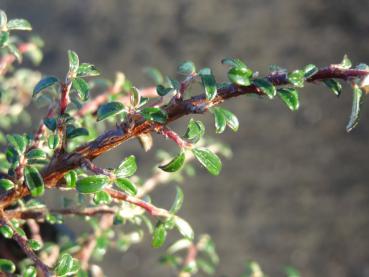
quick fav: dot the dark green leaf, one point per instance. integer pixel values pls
(34, 244)
(186, 68)
(127, 168)
(64, 264)
(34, 181)
(296, 78)
(6, 184)
(357, 101)
(50, 123)
(334, 86)
(76, 132)
(7, 266)
(209, 83)
(102, 198)
(240, 76)
(18, 142)
(82, 88)
(233, 62)
(92, 184)
(266, 87)
(53, 141)
(44, 83)
(231, 119)
(346, 62)
(195, 130)
(290, 97)
(155, 114)
(154, 75)
(87, 70)
(178, 201)
(162, 91)
(30, 271)
(184, 228)
(73, 61)
(70, 179)
(109, 109)
(6, 231)
(159, 236)
(19, 24)
(4, 38)
(220, 120)
(208, 159)
(126, 185)
(310, 70)
(12, 155)
(175, 164)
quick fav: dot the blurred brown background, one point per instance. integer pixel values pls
(296, 191)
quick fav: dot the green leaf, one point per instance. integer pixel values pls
(71, 179)
(126, 185)
(87, 70)
(36, 156)
(175, 164)
(102, 198)
(73, 61)
(205, 266)
(18, 142)
(4, 38)
(266, 87)
(82, 88)
(209, 83)
(30, 271)
(53, 141)
(135, 97)
(296, 78)
(154, 75)
(34, 244)
(334, 86)
(208, 159)
(3, 19)
(64, 265)
(44, 83)
(127, 168)
(19, 24)
(73, 132)
(240, 76)
(159, 235)
(162, 91)
(7, 266)
(292, 272)
(231, 119)
(310, 70)
(186, 68)
(6, 184)
(346, 62)
(184, 228)
(357, 101)
(195, 130)
(92, 184)
(155, 114)
(109, 109)
(290, 97)
(178, 201)
(234, 62)
(220, 120)
(34, 181)
(6, 231)
(50, 123)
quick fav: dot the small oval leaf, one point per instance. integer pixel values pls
(34, 181)
(208, 159)
(175, 164)
(92, 184)
(127, 168)
(44, 83)
(126, 185)
(290, 97)
(109, 109)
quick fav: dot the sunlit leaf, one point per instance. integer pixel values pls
(175, 164)
(357, 101)
(34, 181)
(92, 184)
(290, 97)
(208, 159)
(209, 83)
(109, 109)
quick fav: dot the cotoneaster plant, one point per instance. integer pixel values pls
(59, 155)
